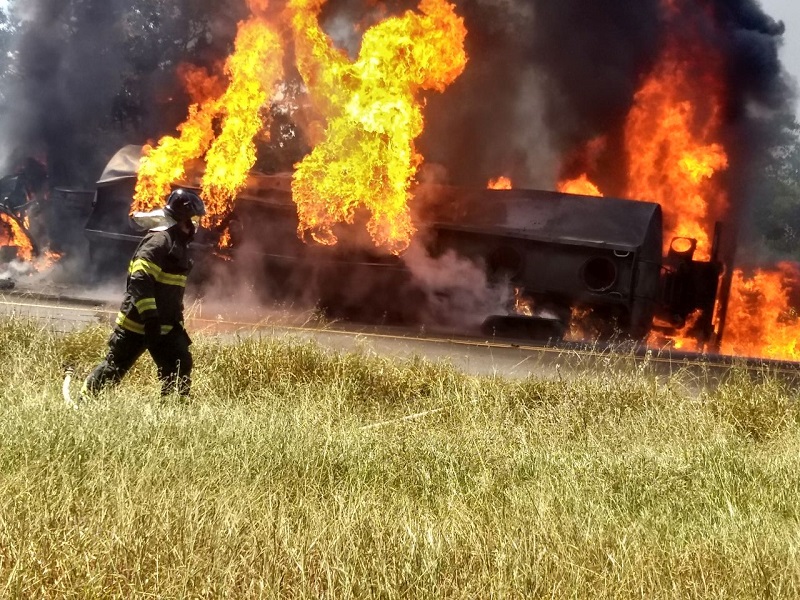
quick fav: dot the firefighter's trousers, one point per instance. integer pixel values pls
(172, 357)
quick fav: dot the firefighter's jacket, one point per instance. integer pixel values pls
(156, 281)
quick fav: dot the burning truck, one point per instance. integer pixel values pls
(353, 229)
(38, 225)
(560, 257)
(20, 194)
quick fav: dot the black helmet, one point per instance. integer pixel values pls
(184, 204)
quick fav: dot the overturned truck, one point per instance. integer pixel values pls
(564, 259)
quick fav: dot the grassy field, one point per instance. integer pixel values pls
(287, 477)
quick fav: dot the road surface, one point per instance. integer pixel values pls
(67, 308)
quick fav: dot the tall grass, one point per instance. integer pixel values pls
(275, 481)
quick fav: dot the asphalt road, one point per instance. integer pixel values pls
(68, 308)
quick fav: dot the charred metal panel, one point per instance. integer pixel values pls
(545, 216)
(266, 223)
(63, 219)
(123, 165)
(563, 250)
(111, 236)
(110, 210)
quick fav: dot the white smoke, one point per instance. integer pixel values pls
(15, 269)
(458, 292)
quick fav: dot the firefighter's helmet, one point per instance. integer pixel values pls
(184, 205)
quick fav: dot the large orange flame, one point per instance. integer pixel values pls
(501, 183)
(672, 140)
(761, 321)
(253, 70)
(672, 144)
(673, 148)
(581, 185)
(370, 115)
(14, 235)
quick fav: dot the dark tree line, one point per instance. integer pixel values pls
(776, 209)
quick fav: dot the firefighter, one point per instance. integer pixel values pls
(151, 315)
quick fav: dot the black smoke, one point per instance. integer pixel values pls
(542, 77)
(92, 75)
(546, 77)
(63, 84)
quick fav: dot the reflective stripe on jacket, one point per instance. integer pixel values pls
(156, 282)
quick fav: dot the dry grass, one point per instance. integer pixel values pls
(270, 484)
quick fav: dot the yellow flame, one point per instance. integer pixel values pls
(581, 185)
(253, 70)
(501, 183)
(365, 155)
(522, 304)
(166, 163)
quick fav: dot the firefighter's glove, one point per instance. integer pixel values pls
(152, 333)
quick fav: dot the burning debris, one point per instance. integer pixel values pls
(17, 249)
(581, 185)
(31, 225)
(15, 241)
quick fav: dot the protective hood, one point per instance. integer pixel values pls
(155, 220)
